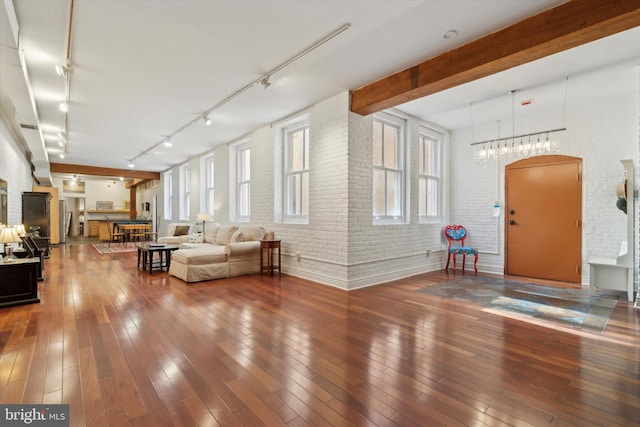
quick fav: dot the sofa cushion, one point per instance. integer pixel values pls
(170, 240)
(196, 238)
(181, 230)
(237, 237)
(224, 233)
(251, 232)
(211, 232)
(210, 254)
(244, 250)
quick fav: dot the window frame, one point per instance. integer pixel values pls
(400, 125)
(168, 195)
(431, 173)
(287, 132)
(185, 192)
(241, 182)
(207, 189)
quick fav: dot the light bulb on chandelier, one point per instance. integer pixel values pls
(517, 146)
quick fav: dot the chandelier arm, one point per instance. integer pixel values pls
(518, 136)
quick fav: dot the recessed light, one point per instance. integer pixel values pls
(451, 34)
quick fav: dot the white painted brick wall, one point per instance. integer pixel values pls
(340, 246)
(14, 169)
(602, 134)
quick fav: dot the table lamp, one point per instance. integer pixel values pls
(20, 229)
(8, 236)
(204, 217)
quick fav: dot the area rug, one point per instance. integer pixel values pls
(562, 307)
(118, 248)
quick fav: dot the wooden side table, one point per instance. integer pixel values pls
(270, 246)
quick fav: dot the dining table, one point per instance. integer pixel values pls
(134, 231)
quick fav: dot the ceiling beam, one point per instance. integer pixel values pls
(564, 27)
(92, 170)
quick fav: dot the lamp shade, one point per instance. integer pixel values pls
(20, 229)
(203, 216)
(9, 235)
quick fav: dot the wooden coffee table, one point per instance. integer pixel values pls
(146, 251)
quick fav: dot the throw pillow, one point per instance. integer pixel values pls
(211, 232)
(252, 232)
(224, 233)
(181, 230)
(196, 238)
(238, 237)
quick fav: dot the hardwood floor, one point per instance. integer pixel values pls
(124, 348)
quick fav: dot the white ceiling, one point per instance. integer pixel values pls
(144, 69)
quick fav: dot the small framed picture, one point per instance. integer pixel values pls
(104, 205)
(126, 205)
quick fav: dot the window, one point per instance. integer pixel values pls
(428, 175)
(388, 169)
(168, 195)
(243, 182)
(208, 187)
(185, 191)
(296, 172)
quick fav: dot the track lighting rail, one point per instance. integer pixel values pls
(263, 80)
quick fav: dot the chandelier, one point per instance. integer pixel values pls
(517, 146)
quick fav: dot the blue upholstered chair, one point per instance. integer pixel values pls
(456, 234)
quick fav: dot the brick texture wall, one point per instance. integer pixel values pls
(14, 169)
(341, 247)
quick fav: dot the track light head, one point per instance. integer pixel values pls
(207, 120)
(265, 82)
(63, 70)
(131, 164)
(167, 142)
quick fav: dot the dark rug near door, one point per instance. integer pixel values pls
(563, 307)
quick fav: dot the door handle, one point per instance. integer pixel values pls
(512, 222)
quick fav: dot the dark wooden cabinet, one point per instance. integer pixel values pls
(36, 212)
(19, 282)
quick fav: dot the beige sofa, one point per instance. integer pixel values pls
(177, 233)
(221, 251)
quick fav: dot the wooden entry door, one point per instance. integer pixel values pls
(543, 213)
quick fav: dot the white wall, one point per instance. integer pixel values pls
(16, 170)
(339, 246)
(601, 133)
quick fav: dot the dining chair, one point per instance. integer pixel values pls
(456, 235)
(114, 234)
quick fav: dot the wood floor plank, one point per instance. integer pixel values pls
(125, 348)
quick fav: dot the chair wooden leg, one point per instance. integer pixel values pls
(448, 258)
(464, 260)
(475, 264)
(454, 263)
